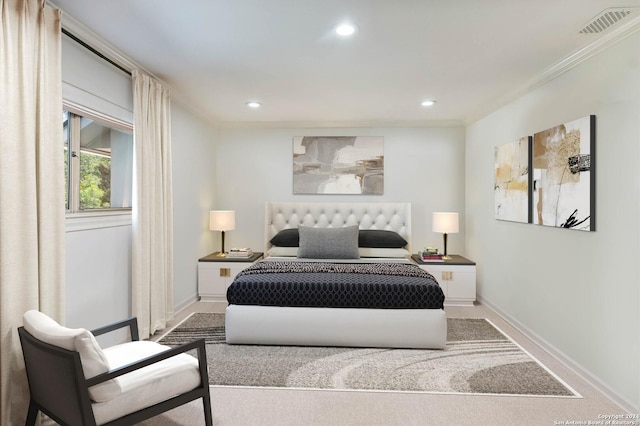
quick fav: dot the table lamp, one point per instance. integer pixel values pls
(222, 220)
(447, 223)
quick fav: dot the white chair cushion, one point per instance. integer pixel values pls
(92, 357)
(146, 386)
(49, 331)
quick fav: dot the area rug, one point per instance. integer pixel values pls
(479, 359)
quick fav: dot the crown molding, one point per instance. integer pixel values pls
(337, 124)
(613, 36)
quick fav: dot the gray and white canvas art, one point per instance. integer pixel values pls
(563, 174)
(338, 165)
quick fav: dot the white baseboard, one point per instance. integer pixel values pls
(185, 304)
(568, 362)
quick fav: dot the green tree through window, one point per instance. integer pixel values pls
(95, 181)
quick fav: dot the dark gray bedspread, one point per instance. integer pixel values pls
(336, 285)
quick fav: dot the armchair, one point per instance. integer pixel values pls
(76, 382)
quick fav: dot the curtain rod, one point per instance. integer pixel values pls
(94, 51)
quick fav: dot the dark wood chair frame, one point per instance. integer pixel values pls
(59, 389)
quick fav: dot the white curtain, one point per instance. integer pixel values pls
(152, 264)
(32, 211)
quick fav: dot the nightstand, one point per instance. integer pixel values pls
(216, 273)
(456, 276)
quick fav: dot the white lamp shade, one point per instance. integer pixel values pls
(222, 220)
(445, 222)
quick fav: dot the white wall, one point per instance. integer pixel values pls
(577, 291)
(194, 175)
(423, 166)
(98, 275)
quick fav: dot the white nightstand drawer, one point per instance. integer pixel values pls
(215, 276)
(460, 285)
(457, 278)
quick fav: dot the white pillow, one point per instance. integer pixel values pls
(277, 251)
(383, 252)
(93, 360)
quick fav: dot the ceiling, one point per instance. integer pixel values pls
(216, 55)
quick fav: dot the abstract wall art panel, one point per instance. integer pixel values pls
(338, 165)
(512, 181)
(564, 175)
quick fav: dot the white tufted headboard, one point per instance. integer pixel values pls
(386, 216)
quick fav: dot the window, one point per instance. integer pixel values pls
(98, 159)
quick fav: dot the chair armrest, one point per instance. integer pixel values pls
(132, 323)
(196, 344)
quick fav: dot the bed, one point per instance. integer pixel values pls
(373, 297)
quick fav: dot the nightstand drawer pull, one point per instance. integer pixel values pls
(225, 272)
(447, 275)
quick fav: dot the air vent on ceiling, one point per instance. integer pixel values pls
(607, 18)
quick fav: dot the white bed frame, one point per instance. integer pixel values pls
(395, 328)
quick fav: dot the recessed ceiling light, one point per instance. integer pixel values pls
(428, 103)
(345, 30)
(254, 104)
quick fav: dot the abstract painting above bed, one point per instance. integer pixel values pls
(338, 165)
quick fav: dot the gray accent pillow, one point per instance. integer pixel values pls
(329, 243)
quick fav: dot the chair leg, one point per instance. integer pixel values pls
(32, 414)
(206, 402)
